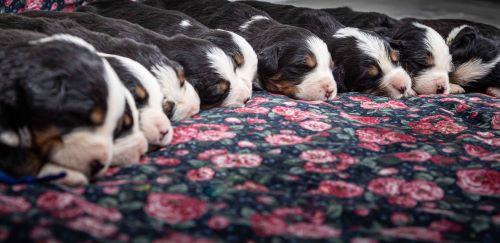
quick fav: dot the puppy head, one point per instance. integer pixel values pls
(180, 98)
(240, 51)
(475, 57)
(369, 64)
(425, 56)
(148, 98)
(300, 68)
(129, 142)
(75, 106)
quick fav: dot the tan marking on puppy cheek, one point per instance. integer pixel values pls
(140, 92)
(281, 87)
(311, 61)
(239, 59)
(181, 76)
(97, 115)
(127, 120)
(48, 140)
(429, 60)
(394, 56)
(373, 71)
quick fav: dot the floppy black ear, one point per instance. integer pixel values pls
(269, 59)
(396, 44)
(464, 37)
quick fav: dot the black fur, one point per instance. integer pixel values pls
(189, 54)
(352, 63)
(165, 22)
(281, 49)
(373, 21)
(40, 90)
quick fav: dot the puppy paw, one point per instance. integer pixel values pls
(456, 89)
(492, 91)
(72, 178)
(411, 93)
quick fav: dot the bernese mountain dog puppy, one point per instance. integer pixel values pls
(171, 23)
(167, 72)
(425, 56)
(205, 65)
(366, 60)
(373, 21)
(148, 98)
(474, 48)
(57, 117)
(292, 60)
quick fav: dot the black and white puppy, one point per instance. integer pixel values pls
(474, 48)
(366, 60)
(292, 60)
(60, 106)
(168, 73)
(373, 21)
(205, 65)
(425, 56)
(171, 23)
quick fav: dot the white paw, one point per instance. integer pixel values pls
(72, 178)
(456, 89)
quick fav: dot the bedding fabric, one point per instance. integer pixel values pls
(355, 169)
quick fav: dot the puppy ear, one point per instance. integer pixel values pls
(397, 44)
(464, 37)
(269, 59)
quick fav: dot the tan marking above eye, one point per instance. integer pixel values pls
(222, 86)
(127, 120)
(181, 76)
(48, 139)
(429, 60)
(394, 56)
(332, 65)
(140, 92)
(311, 61)
(373, 71)
(276, 77)
(97, 115)
(239, 59)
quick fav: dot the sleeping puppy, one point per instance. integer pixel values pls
(205, 65)
(425, 56)
(147, 97)
(365, 59)
(167, 72)
(171, 23)
(292, 61)
(373, 21)
(475, 53)
(57, 117)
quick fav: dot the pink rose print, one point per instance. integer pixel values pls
(386, 187)
(413, 233)
(246, 144)
(363, 119)
(31, 5)
(444, 225)
(383, 136)
(285, 139)
(312, 231)
(175, 237)
(475, 151)
(9, 205)
(421, 190)
(318, 156)
(479, 181)
(174, 208)
(400, 218)
(237, 160)
(167, 161)
(218, 222)
(292, 114)
(315, 126)
(211, 153)
(392, 104)
(495, 122)
(369, 146)
(321, 161)
(268, 225)
(338, 189)
(438, 123)
(251, 186)
(252, 110)
(202, 133)
(414, 156)
(253, 121)
(201, 174)
(93, 226)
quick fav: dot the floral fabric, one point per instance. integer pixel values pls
(356, 169)
(20, 6)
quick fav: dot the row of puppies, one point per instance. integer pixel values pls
(475, 59)
(63, 108)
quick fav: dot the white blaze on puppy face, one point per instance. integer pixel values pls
(473, 71)
(153, 122)
(394, 78)
(319, 84)
(248, 71)
(434, 79)
(186, 100)
(453, 34)
(129, 148)
(252, 20)
(185, 23)
(239, 92)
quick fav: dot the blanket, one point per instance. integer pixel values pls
(355, 169)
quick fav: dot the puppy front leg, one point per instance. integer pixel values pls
(456, 89)
(72, 178)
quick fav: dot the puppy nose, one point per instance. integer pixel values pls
(328, 93)
(246, 101)
(163, 134)
(440, 89)
(95, 167)
(402, 89)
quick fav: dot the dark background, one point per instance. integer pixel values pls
(486, 11)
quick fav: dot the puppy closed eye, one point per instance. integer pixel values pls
(181, 76)
(239, 60)
(429, 60)
(394, 55)
(373, 71)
